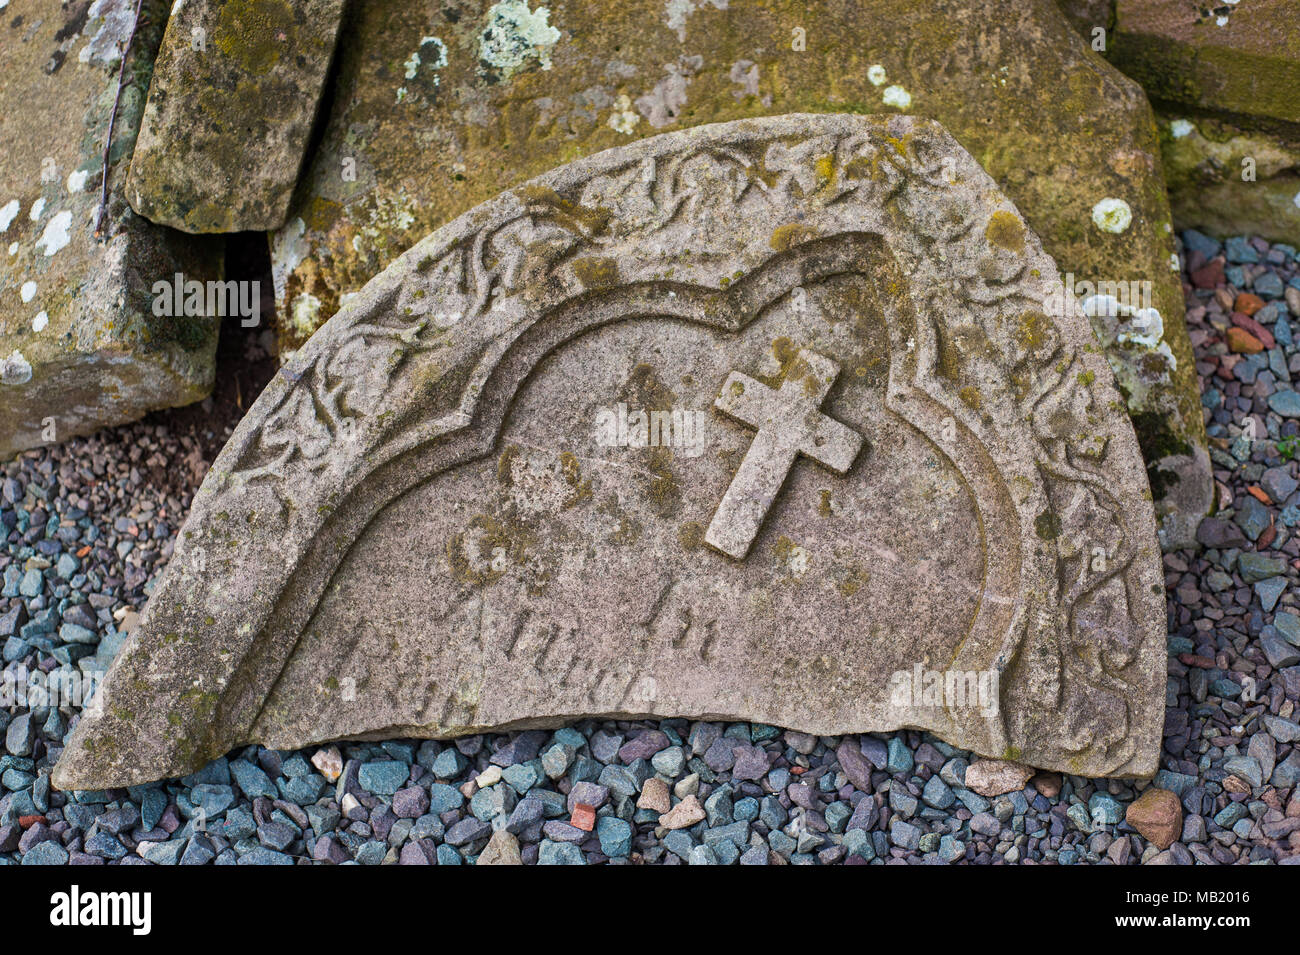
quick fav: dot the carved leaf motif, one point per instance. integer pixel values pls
(525, 251)
(351, 363)
(629, 194)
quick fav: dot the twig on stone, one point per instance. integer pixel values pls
(112, 119)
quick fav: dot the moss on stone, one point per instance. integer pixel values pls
(1206, 161)
(596, 272)
(1005, 231)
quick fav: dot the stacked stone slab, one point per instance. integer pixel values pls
(80, 345)
(1225, 81)
(230, 110)
(1244, 59)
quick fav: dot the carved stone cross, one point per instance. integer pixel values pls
(789, 424)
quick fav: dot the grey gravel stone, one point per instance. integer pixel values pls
(1278, 651)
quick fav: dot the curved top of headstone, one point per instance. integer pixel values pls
(770, 420)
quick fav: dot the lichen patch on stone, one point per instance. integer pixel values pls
(305, 314)
(662, 105)
(624, 118)
(15, 370)
(1112, 215)
(514, 36)
(677, 11)
(432, 56)
(744, 73)
(111, 21)
(55, 236)
(897, 96)
(1006, 231)
(288, 249)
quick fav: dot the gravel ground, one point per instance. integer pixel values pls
(90, 524)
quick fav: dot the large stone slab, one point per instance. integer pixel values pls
(1240, 58)
(80, 347)
(1231, 158)
(1226, 84)
(1231, 178)
(883, 451)
(438, 106)
(230, 109)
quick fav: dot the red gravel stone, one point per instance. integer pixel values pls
(1255, 328)
(1243, 342)
(1209, 275)
(1247, 303)
(1158, 816)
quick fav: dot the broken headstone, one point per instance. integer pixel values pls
(784, 420)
